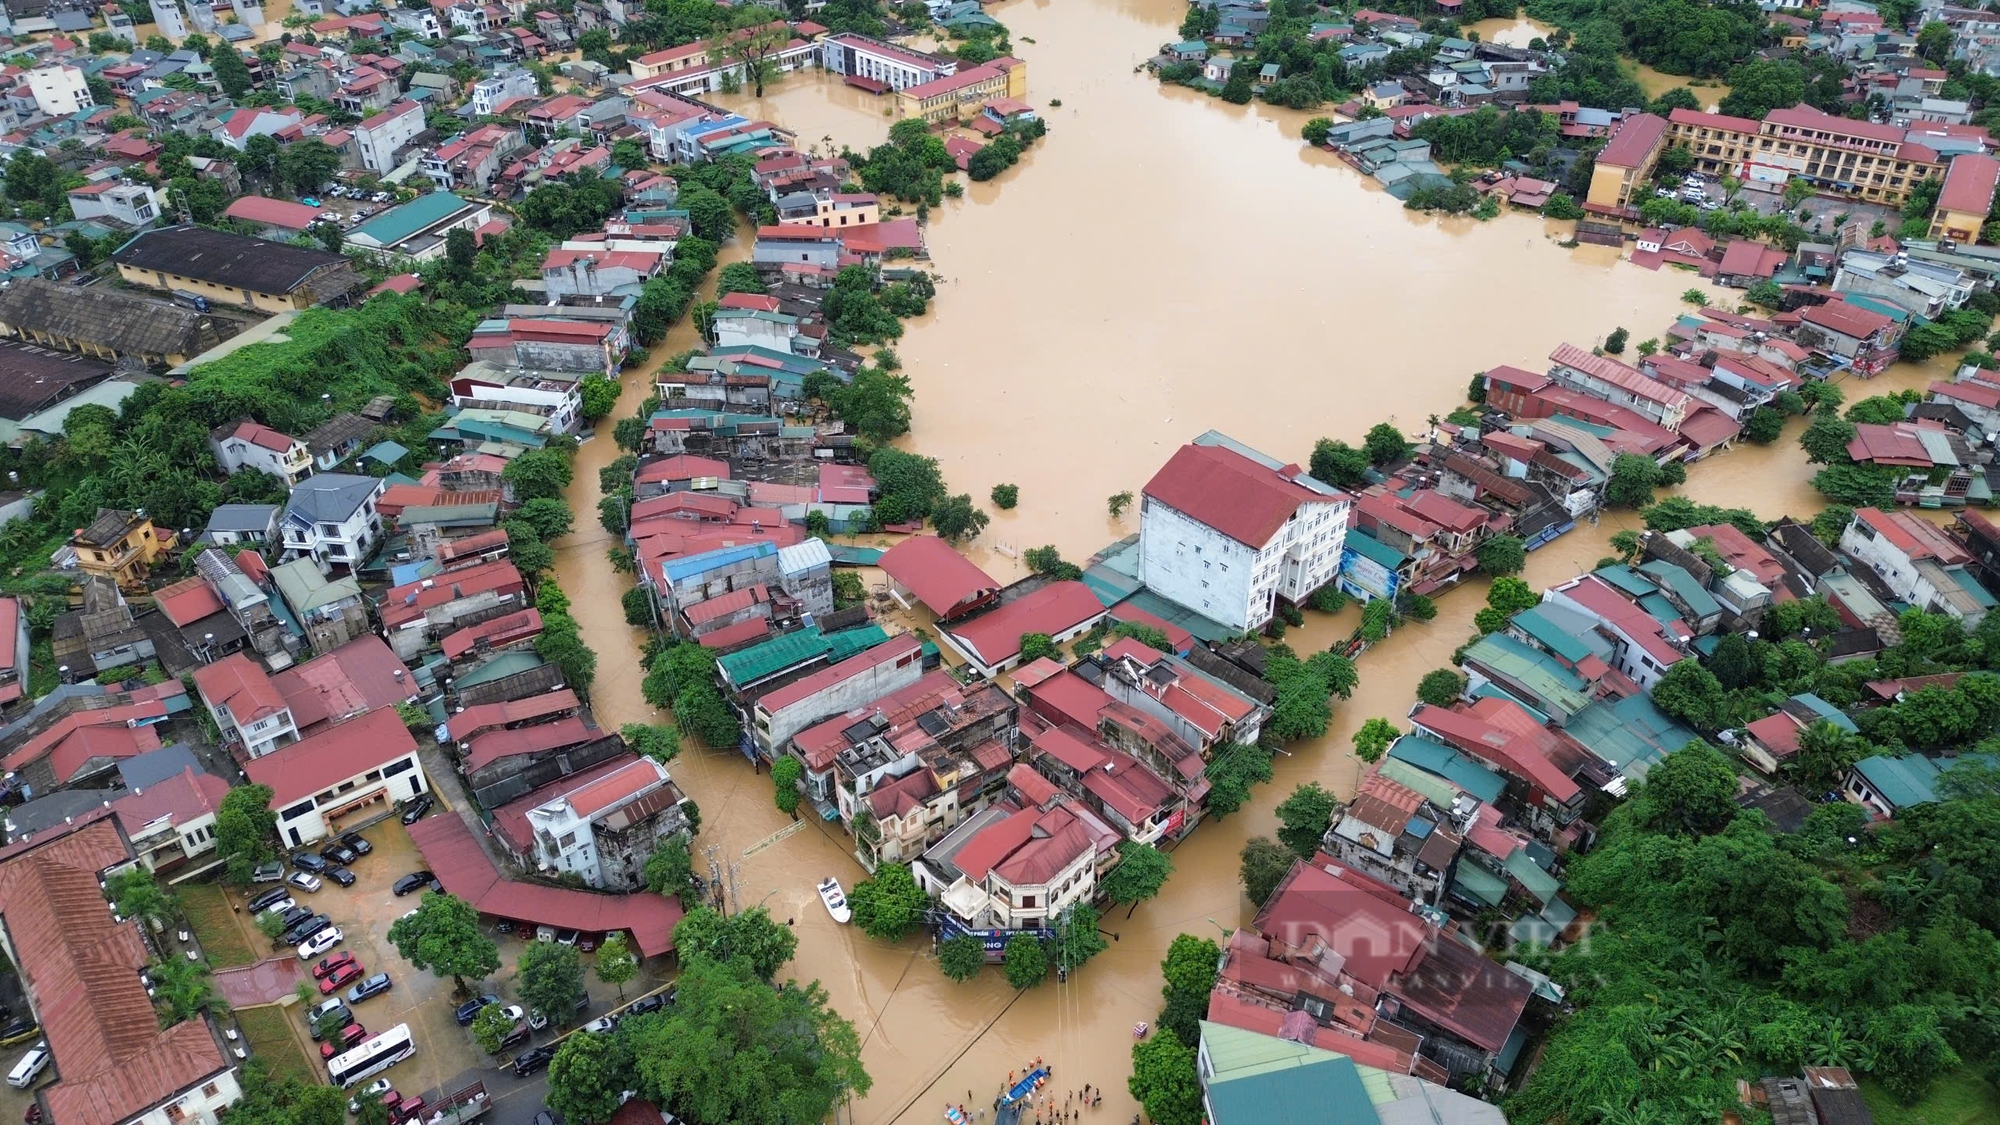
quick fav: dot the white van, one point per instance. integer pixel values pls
(31, 1065)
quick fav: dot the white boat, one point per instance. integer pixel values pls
(836, 901)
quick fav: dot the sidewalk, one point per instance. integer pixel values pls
(450, 792)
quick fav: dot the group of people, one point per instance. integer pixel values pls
(1074, 1103)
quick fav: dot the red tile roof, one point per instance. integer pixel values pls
(1636, 139)
(1611, 371)
(258, 434)
(81, 969)
(467, 872)
(1055, 608)
(1499, 747)
(239, 683)
(1916, 537)
(487, 716)
(1231, 493)
(494, 745)
(1715, 121)
(361, 675)
(1895, 443)
(820, 743)
(1969, 183)
(272, 212)
(407, 603)
(733, 636)
(1378, 938)
(503, 630)
(184, 797)
(335, 754)
(185, 602)
(1846, 319)
(941, 578)
(1026, 849)
(682, 467)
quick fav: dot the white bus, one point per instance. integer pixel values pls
(372, 1057)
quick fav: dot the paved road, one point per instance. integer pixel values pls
(515, 1100)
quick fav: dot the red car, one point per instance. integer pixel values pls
(350, 1035)
(340, 975)
(329, 964)
(410, 1109)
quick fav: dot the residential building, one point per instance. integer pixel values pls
(1011, 868)
(1866, 338)
(337, 439)
(272, 218)
(236, 269)
(489, 93)
(605, 824)
(252, 445)
(953, 98)
(1198, 708)
(593, 271)
(888, 66)
(134, 205)
(59, 89)
(13, 650)
(1837, 155)
(1227, 531)
(171, 821)
(331, 611)
(320, 783)
(1915, 562)
(1290, 1066)
(247, 707)
(383, 137)
(331, 518)
(550, 344)
(990, 641)
(773, 717)
(121, 546)
(78, 963)
(553, 395)
(1625, 165)
(1966, 199)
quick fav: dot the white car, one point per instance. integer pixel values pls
(513, 1012)
(280, 906)
(321, 942)
(376, 1088)
(304, 881)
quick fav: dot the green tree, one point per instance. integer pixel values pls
(1005, 496)
(1440, 687)
(1385, 444)
(1264, 864)
(1338, 464)
(1614, 344)
(961, 957)
(1502, 555)
(599, 396)
(1035, 646)
(955, 518)
(749, 938)
(1024, 960)
(1766, 294)
(1163, 1075)
(1232, 769)
(1373, 738)
(1142, 870)
(492, 1024)
(652, 740)
(875, 402)
(551, 979)
(733, 1049)
(1633, 478)
(1118, 502)
(587, 1076)
(538, 474)
(890, 906)
(670, 869)
(629, 154)
(615, 963)
(244, 829)
(739, 277)
(551, 518)
(442, 935)
(1694, 297)
(1238, 89)
(1825, 753)
(1764, 426)
(1691, 791)
(700, 711)
(750, 35)
(1692, 694)
(1304, 817)
(1189, 969)
(137, 894)
(785, 774)
(1315, 131)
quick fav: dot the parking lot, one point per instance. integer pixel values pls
(447, 1058)
(353, 206)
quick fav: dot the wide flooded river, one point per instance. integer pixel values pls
(1162, 264)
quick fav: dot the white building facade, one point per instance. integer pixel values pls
(59, 89)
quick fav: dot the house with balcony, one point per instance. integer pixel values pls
(251, 445)
(1199, 708)
(341, 776)
(247, 707)
(1913, 561)
(603, 824)
(1119, 788)
(1605, 378)
(331, 519)
(121, 546)
(1014, 869)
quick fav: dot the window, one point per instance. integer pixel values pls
(1027, 902)
(403, 766)
(568, 839)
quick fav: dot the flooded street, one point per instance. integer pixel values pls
(1161, 264)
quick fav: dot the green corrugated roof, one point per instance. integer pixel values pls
(1902, 782)
(509, 663)
(1631, 734)
(398, 223)
(1437, 758)
(758, 661)
(1536, 672)
(1827, 711)
(1529, 874)
(1625, 578)
(305, 589)
(1544, 631)
(1430, 786)
(1699, 601)
(844, 555)
(848, 642)
(1480, 883)
(1971, 586)
(1264, 1080)
(1373, 549)
(1492, 690)
(1173, 613)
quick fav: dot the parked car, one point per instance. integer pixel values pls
(30, 1067)
(339, 853)
(322, 1008)
(280, 906)
(545, 933)
(469, 1010)
(293, 916)
(340, 875)
(262, 900)
(308, 883)
(267, 872)
(602, 1024)
(381, 197)
(306, 861)
(340, 976)
(566, 937)
(304, 929)
(357, 843)
(411, 1109)
(344, 1040)
(415, 880)
(418, 806)
(379, 1088)
(516, 1035)
(647, 1004)
(329, 1018)
(532, 1060)
(327, 965)
(588, 944)
(19, 1031)
(373, 986)
(320, 942)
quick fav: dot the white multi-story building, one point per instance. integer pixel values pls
(1917, 561)
(167, 14)
(383, 136)
(604, 829)
(59, 89)
(337, 777)
(331, 518)
(253, 445)
(135, 205)
(490, 92)
(895, 67)
(1227, 531)
(1016, 869)
(555, 395)
(246, 706)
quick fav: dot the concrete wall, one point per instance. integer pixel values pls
(1186, 561)
(772, 730)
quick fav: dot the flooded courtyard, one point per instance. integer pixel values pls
(1163, 263)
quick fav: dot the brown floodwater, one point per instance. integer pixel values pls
(1710, 91)
(1518, 31)
(1161, 264)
